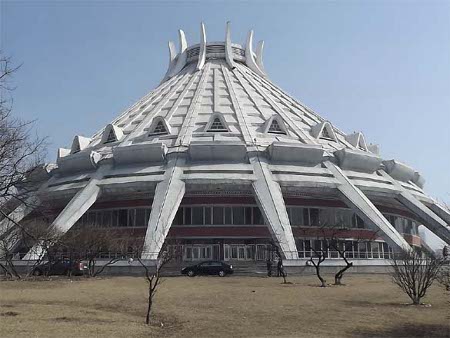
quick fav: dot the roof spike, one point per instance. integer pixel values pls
(259, 55)
(172, 57)
(172, 51)
(250, 56)
(183, 42)
(180, 60)
(228, 49)
(202, 52)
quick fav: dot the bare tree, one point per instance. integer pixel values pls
(91, 244)
(414, 272)
(33, 235)
(343, 247)
(7, 246)
(319, 256)
(443, 277)
(20, 151)
(20, 156)
(153, 274)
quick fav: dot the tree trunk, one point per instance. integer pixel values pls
(322, 281)
(340, 274)
(149, 307)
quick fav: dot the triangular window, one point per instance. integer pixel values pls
(76, 148)
(275, 128)
(111, 137)
(362, 143)
(160, 128)
(217, 125)
(326, 134)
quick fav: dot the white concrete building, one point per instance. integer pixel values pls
(225, 161)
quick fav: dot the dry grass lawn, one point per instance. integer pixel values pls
(367, 306)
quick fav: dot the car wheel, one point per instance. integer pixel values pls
(222, 273)
(191, 273)
(37, 272)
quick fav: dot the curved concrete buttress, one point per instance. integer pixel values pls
(259, 55)
(228, 49)
(249, 55)
(172, 52)
(202, 53)
(183, 41)
(172, 56)
(182, 55)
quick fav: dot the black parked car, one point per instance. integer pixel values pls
(208, 268)
(59, 267)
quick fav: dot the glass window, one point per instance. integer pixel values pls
(178, 220)
(218, 215)
(306, 220)
(358, 222)
(122, 217)
(248, 216)
(195, 252)
(148, 211)
(234, 252)
(91, 218)
(115, 218)
(187, 216)
(241, 252)
(314, 217)
(107, 218)
(375, 249)
(344, 218)
(238, 216)
(297, 216)
(131, 217)
(99, 221)
(362, 249)
(140, 217)
(188, 252)
(249, 252)
(327, 217)
(228, 215)
(349, 249)
(197, 215)
(258, 218)
(414, 228)
(385, 250)
(398, 224)
(208, 216)
(409, 226)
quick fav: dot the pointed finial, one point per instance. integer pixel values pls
(202, 52)
(183, 42)
(259, 55)
(250, 57)
(228, 49)
(172, 51)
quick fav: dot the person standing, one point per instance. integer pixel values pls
(280, 268)
(269, 267)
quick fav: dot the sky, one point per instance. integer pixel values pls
(379, 67)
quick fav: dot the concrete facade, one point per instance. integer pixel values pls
(217, 126)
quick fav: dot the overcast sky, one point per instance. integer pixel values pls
(380, 67)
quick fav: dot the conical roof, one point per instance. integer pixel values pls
(224, 81)
(216, 123)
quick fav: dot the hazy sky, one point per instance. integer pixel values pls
(380, 67)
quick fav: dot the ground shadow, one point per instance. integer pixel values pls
(409, 330)
(365, 303)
